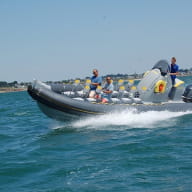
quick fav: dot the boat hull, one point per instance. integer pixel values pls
(61, 107)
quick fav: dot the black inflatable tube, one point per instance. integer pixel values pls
(68, 105)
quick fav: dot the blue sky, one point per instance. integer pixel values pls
(62, 39)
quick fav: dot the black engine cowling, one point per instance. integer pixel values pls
(187, 95)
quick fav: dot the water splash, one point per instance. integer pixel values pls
(130, 119)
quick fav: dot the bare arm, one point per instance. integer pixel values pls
(107, 91)
(96, 84)
(177, 73)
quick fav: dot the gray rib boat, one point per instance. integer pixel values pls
(153, 93)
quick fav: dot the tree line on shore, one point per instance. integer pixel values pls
(114, 76)
(13, 84)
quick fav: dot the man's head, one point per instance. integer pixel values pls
(95, 72)
(173, 60)
(108, 79)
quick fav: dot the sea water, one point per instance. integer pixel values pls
(127, 151)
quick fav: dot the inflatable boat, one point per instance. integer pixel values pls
(154, 92)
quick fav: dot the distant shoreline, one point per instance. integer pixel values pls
(11, 89)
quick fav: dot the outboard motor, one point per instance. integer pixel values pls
(187, 95)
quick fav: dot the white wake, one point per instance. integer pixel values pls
(130, 119)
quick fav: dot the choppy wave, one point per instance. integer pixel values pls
(79, 155)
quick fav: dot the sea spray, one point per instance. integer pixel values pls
(130, 119)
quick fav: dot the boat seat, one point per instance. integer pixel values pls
(178, 82)
(91, 99)
(99, 89)
(126, 94)
(68, 87)
(115, 100)
(87, 82)
(122, 92)
(57, 88)
(84, 92)
(127, 87)
(77, 88)
(80, 93)
(78, 99)
(137, 100)
(115, 94)
(130, 82)
(127, 100)
(69, 93)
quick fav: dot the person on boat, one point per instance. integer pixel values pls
(96, 80)
(107, 90)
(174, 70)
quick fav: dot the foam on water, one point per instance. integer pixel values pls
(130, 119)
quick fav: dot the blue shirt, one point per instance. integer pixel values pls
(95, 79)
(174, 69)
(108, 87)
